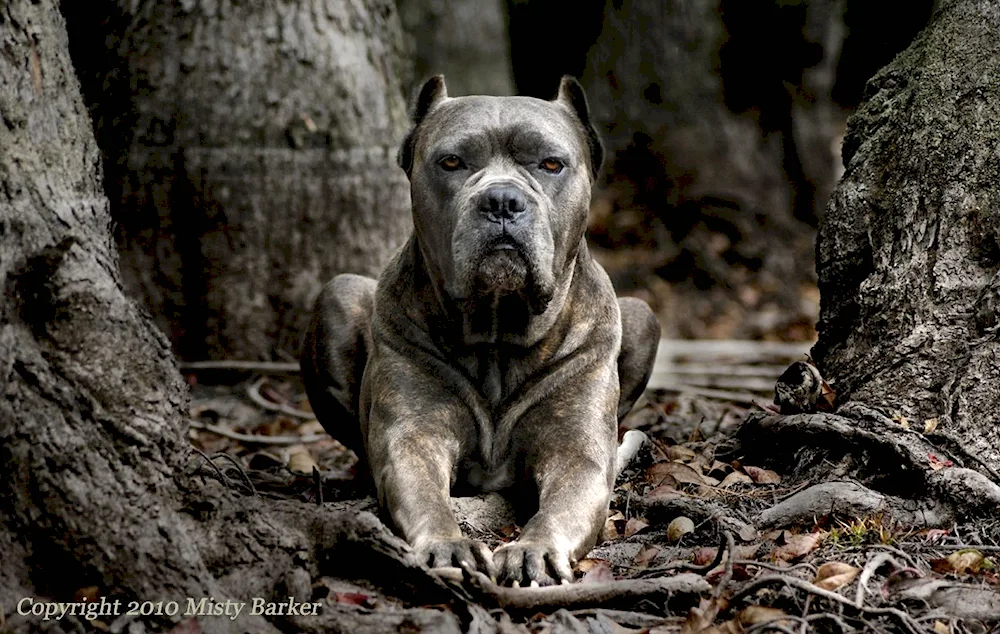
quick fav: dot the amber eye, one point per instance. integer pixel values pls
(451, 163)
(551, 165)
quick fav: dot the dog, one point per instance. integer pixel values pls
(492, 354)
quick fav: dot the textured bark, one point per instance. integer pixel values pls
(716, 159)
(98, 487)
(908, 253)
(465, 40)
(250, 154)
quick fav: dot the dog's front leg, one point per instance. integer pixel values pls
(571, 462)
(415, 439)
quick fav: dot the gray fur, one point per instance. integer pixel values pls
(490, 355)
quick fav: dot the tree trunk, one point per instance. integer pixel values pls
(99, 496)
(717, 160)
(908, 252)
(250, 154)
(465, 40)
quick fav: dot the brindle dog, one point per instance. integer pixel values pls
(492, 352)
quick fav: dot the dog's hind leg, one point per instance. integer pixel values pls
(640, 337)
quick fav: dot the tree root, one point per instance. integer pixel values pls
(932, 486)
(623, 595)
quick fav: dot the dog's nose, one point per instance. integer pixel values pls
(502, 202)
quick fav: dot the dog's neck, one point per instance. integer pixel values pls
(496, 319)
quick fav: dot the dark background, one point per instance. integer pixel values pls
(249, 153)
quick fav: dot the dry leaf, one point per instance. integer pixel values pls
(827, 398)
(754, 614)
(796, 546)
(646, 555)
(966, 561)
(679, 452)
(301, 461)
(664, 492)
(679, 527)
(930, 425)
(351, 598)
(762, 476)
(700, 619)
(598, 571)
(901, 420)
(940, 627)
(834, 574)
(736, 477)
(635, 525)
(614, 526)
(680, 472)
(937, 464)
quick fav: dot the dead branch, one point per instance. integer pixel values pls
(623, 594)
(254, 393)
(257, 439)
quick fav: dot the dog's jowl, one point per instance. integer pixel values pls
(492, 352)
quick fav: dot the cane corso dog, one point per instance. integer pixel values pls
(492, 353)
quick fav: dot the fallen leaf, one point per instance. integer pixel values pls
(762, 476)
(834, 574)
(796, 546)
(827, 398)
(679, 527)
(679, 452)
(960, 562)
(701, 618)
(598, 571)
(718, 466)
(664, 492)
(705, 555)
(301, 461)
(680, 472)
(646, 555)
(635, 525)
(938, 464)
(901, 420)
(614, 526)
(940, 627)
(736, 477)
(930, 425)
(754, 614)
(351, 598)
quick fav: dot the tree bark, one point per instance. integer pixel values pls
(99, 492)
(465, 40)
(250, 153)
(716, 160)
(908, 252)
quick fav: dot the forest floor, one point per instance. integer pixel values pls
(688, 509)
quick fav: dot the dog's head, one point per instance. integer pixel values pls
(501, 190)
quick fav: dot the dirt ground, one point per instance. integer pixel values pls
(686, 511)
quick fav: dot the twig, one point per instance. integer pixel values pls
(222, 476)
(806, 586)
(763, 564)
(258, 367)
(254, 393)
(873, 566)
(728, 574)
(688, 566)
(239, 469)
(255, 438)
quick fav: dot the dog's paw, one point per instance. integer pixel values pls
(526, 563)
(446, 552)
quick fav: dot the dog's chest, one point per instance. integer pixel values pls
(495, 373)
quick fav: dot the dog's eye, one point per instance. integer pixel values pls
(451, 163)
(551, 165)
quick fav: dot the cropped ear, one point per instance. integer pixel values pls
(572, 96)
(433, 93)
